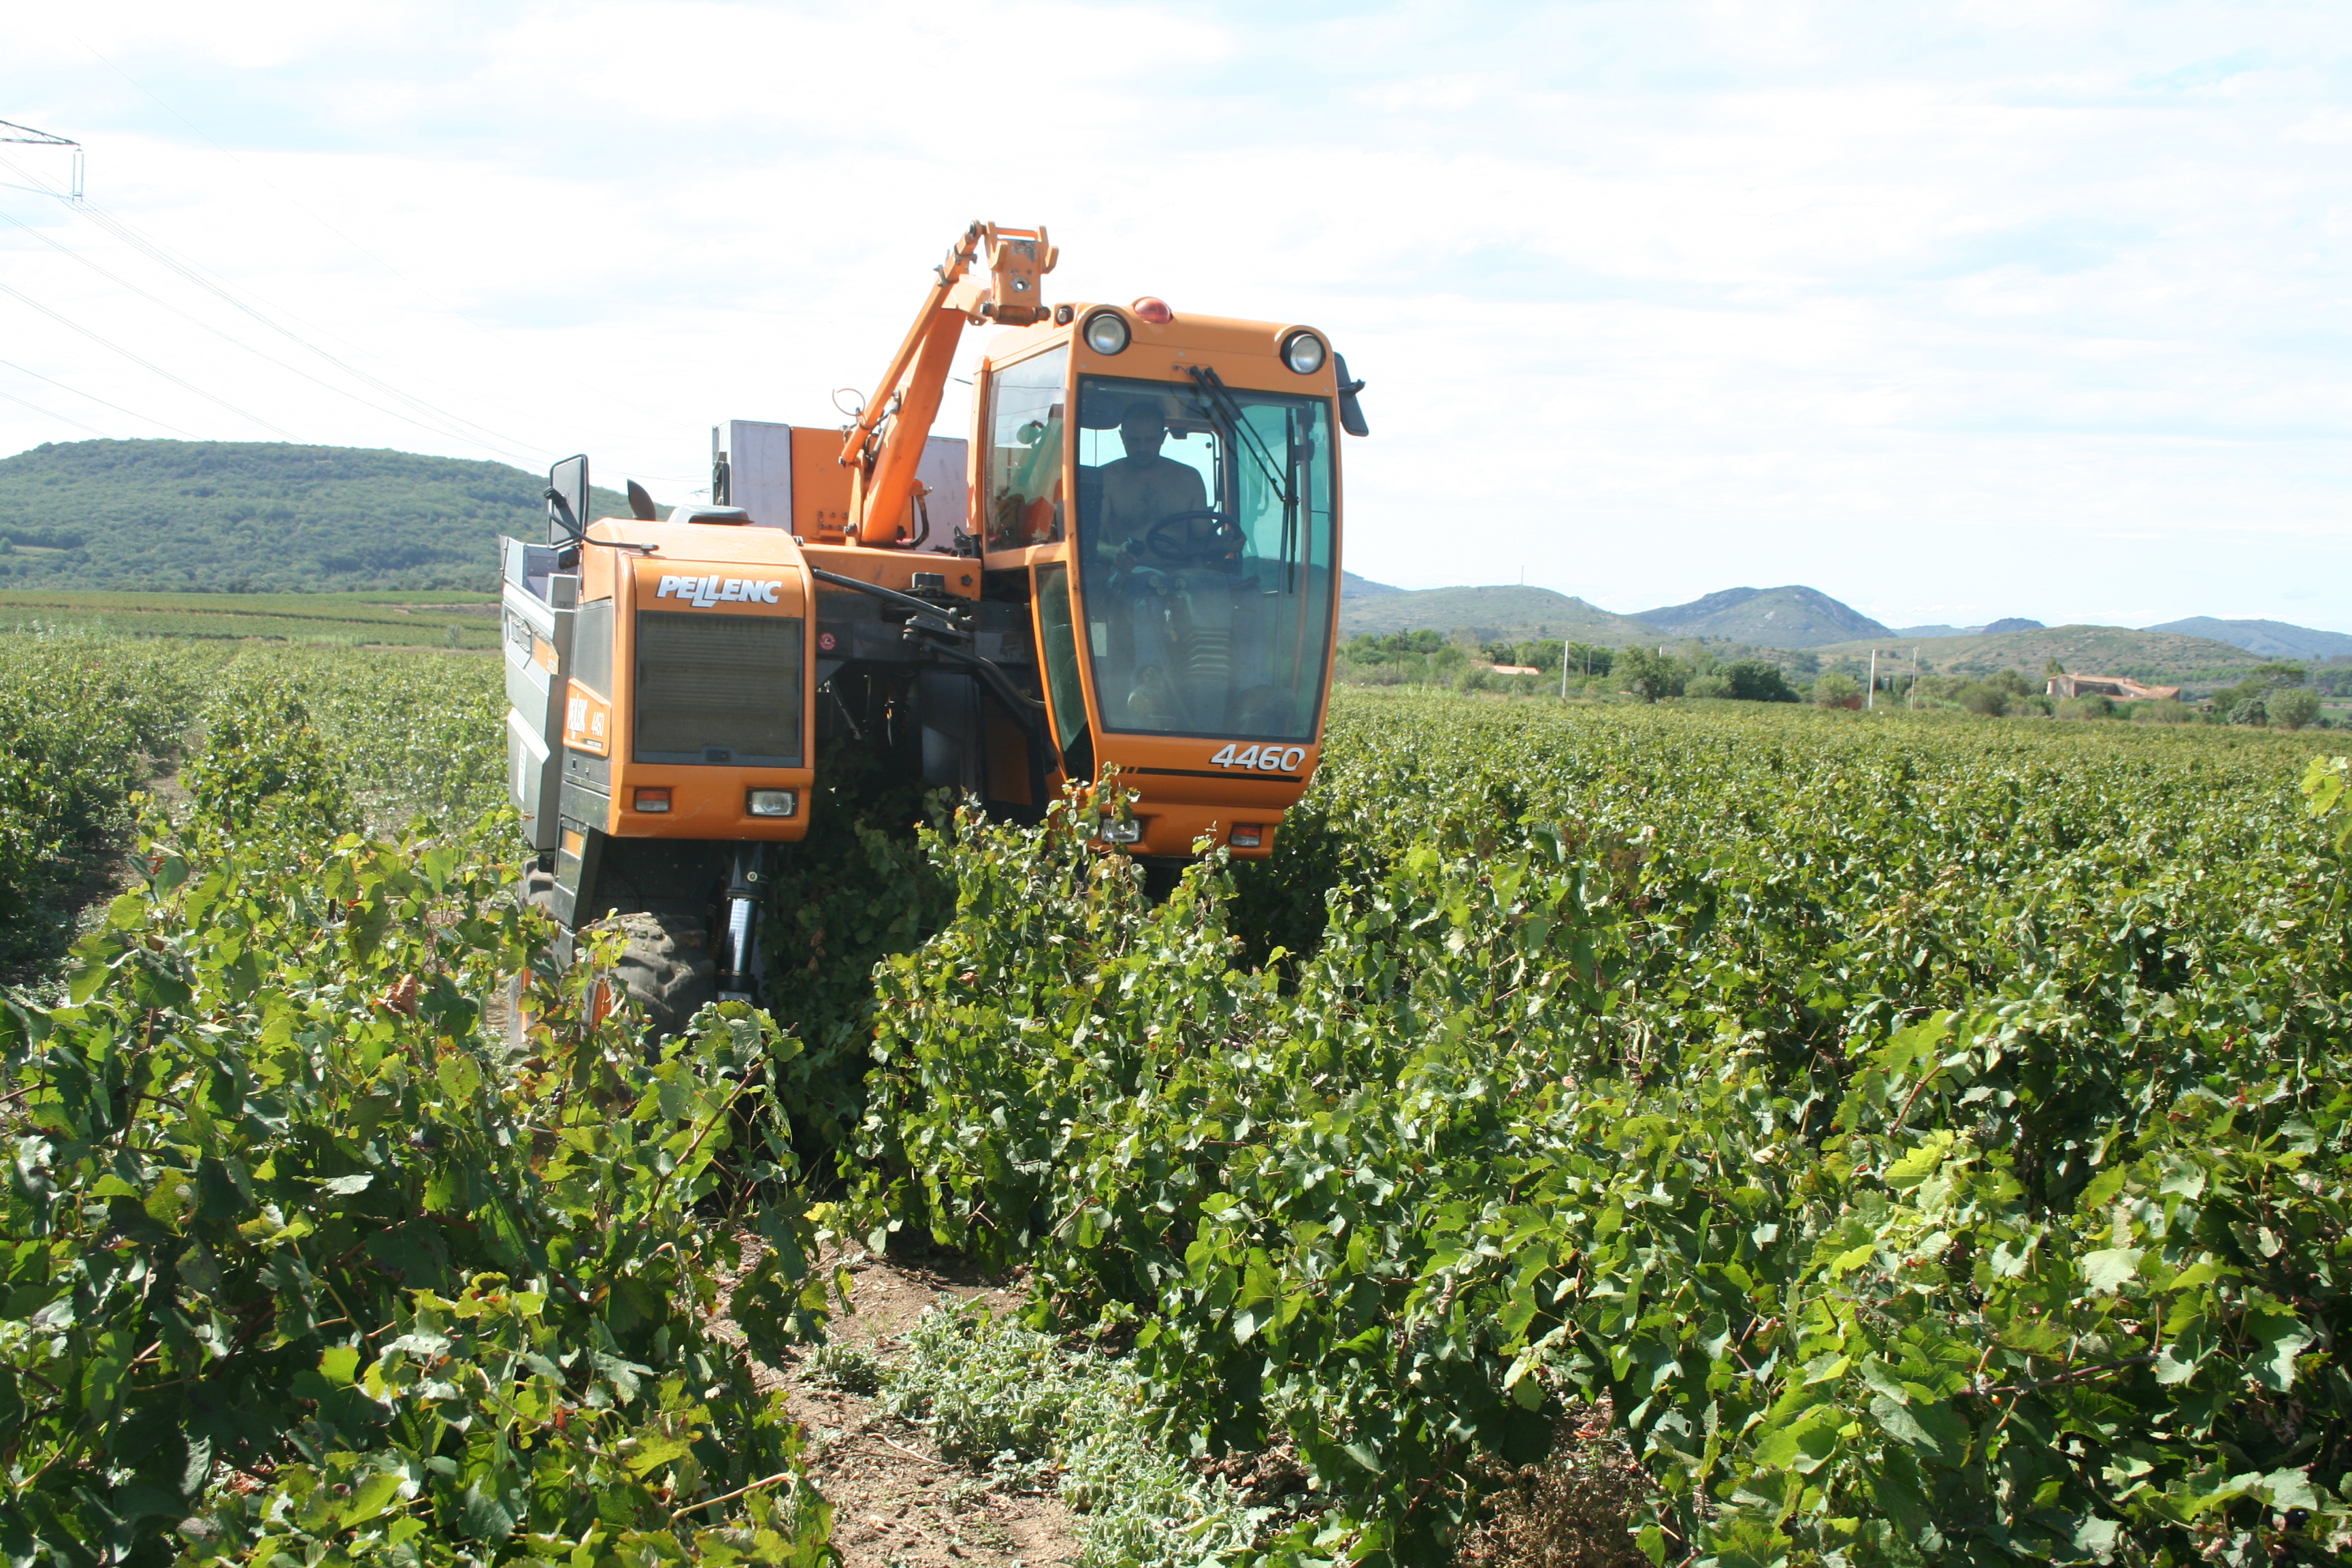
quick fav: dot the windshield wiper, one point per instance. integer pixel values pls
(1221, 400)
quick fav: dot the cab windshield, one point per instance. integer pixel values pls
(1206, 556)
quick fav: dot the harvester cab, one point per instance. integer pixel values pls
(1143, 574)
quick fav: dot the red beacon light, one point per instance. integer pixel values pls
(1154, 309)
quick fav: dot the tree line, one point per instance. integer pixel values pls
(2279, 695)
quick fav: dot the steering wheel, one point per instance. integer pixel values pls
(1220, 540)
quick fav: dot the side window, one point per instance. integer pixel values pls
(592, 647)
(1025, 424)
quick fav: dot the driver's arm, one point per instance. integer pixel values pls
(1120, 538)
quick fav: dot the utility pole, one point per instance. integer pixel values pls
(12, 132)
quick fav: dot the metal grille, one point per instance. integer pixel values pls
(718, 689)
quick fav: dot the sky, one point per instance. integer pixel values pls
(1952, 312)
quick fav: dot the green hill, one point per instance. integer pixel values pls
(260, 516)
(2168, 658)
(1496, 615)
(1793, 616)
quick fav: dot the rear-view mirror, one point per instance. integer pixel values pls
(567, 500)
(1352, 413)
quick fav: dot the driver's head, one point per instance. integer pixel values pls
(1142, 431)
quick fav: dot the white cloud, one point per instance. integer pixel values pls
(1928, 309)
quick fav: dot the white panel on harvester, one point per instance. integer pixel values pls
(760, 457)
(943, 469)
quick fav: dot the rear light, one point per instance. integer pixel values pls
(1128, 832)
(650, 800)
(771, 803)
(1246, 835)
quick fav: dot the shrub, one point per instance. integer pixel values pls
(2091, 705)
(1984, 698)
(1610, 1080)
(80, 718)
(1837, 690)
(2294, 708)
(303, 1260)
(1758, 680)
(1649, 674)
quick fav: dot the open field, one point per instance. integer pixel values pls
(419, 619)
(1893, 1138)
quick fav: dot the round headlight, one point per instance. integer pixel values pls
(1107, 333)
(1303, 353)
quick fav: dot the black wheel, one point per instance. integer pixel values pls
(667, 969)
(1196, 545)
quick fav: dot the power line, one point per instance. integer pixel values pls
(61, 386)
(455, 427)
(49, 414)
(502, 442)
(290, 200)
(635, 411)
(149, 364)
(238, 343)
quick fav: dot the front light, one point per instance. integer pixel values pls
(1128, 832)
(1107, 333)
(1303, 353)
(771, 803)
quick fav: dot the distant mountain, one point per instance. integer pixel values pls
(1496, 613)
(2009, 623)
(2272, 639)
(2159, 655)
(260, 515)
(1788, 616)
(1354, 587)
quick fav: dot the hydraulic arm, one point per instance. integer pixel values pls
(884, 443)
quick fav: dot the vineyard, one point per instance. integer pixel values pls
(343, 620)
(1916, 1139)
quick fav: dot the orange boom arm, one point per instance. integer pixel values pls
(885, 444)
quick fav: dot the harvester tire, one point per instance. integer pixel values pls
(537, 889)
(667, 969)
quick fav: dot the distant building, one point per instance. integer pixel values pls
(1515, 669)
(2122, 688)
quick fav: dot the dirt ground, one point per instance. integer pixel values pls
(896, 1503)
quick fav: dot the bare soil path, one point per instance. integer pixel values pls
(896, 1502)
